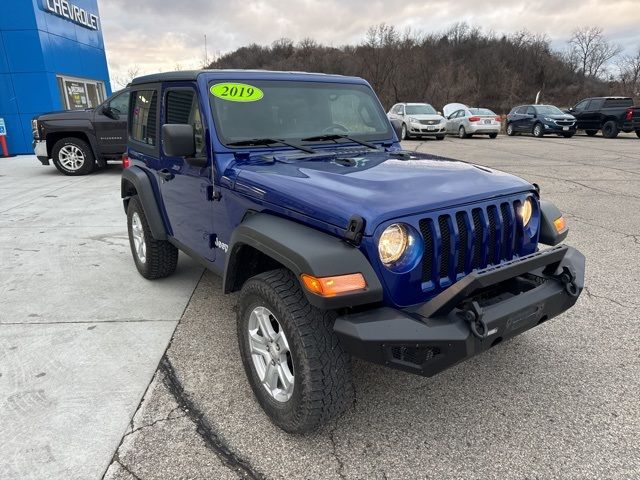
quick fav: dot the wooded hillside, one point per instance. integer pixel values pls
(463, 64)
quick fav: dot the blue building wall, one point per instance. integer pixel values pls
(35, 47)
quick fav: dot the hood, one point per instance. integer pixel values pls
(449, 108)
(378, 186)
(66, 115)
(560, 117)
(426, 116)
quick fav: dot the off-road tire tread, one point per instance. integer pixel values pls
(614, 131)
(162, 256)
(326, 366)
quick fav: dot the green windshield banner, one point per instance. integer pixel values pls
(236, 92)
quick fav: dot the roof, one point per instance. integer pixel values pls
(192, 75)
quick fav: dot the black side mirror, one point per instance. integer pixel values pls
(107, 111)
(178, 140)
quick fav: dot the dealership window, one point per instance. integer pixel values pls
(182, 107)
(79, 93)
(143, 116)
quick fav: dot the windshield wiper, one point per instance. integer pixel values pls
(337, 136)
(269, 141)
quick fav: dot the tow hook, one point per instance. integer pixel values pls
(568, 278)
(472, 313)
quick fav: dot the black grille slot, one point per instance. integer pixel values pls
(493, 226)
(414, 355)
(427, 267)
(506, 231)
(445, 251)
(463, 237)
(477, 238)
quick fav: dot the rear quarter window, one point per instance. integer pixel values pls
(618, 102)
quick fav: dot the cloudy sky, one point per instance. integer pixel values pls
(160, 35)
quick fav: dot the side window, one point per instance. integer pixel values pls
(144, 114)
(400, 109)
(521, 110)
(182, 107)
(531, 111)
(595, 104)
(581, 106)
(120, 103)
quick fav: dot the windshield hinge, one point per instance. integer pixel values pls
(355, 230)
(212, 194)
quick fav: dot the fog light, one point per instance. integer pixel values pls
(560, 224)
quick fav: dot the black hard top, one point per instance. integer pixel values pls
(192, 75)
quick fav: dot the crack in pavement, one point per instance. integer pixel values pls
(334, 451)
(155, 422)
(602, 297)
(207, 432)
(126, 468)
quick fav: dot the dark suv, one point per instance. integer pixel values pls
(540, 120)
(612, 115)
(80, 140)
(295, 189)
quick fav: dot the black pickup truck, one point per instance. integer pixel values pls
(79, 140)
(612, 115)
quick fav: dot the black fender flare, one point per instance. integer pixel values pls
(303, 249)
(138, 178)
(548, 233)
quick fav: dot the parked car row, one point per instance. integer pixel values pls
(611, 115)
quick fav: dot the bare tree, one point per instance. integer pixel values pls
(124, 80)
(590, 51)
(629, 76)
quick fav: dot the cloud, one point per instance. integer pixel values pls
(157, 35)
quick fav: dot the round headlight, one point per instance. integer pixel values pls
(527, 211)
(393, 243)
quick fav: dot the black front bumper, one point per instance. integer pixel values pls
(471, 316)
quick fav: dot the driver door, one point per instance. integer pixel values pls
(186, 184)
(111, 127)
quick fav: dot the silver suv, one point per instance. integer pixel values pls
(418, 120)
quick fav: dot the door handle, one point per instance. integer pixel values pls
(165, 174)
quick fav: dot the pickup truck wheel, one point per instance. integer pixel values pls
(591, 133)
(153, 258)
(610, 129)
(538, 130)
(73, 156)
(295, 365)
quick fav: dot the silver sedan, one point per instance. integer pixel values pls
(466, 122)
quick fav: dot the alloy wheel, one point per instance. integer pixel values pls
(270, 354)
(138, 237)
(71, 157)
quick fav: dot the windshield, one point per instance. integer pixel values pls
(549, 110)
(422, 109)
(481, 111)
(294, 110)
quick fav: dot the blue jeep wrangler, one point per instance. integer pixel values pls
(294, 188)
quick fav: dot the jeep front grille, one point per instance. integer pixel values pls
(470, 239)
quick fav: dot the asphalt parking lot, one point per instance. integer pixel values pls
(560, 401)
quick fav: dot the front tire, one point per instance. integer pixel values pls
(404, 134)
(510, 130)
(567, 135)
(439, 137)
(153, 258)
(73, 157)
(638, 133)
(538, 130)
(591, 133)
(295, 365)
(610, 129)
(493, 135)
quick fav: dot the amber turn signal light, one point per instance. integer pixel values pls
(331, 286)
(560, 224)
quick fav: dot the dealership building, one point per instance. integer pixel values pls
(52, 57)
